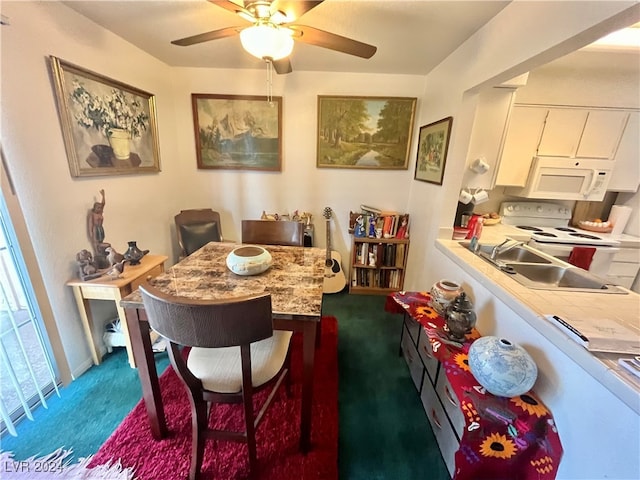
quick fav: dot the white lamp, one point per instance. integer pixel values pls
(266, 40)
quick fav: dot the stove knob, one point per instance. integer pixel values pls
(516, 208)
(540, 209)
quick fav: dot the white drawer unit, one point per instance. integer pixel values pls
(428, 359)
(411, 356)
(624, 267)
(413, 327)
(442, 429)
(447, 396)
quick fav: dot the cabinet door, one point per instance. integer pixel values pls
(602, 134)
(626, 170)
(487, 136)
(521, 142)
(562, 132)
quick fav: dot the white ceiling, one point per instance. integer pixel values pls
(412, 36)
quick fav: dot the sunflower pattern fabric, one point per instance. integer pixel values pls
(504, 438)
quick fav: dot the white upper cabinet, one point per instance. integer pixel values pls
(582, 133)
(602, 133)
(520, 144)
(626, 172)
(561, 132)
(555, 131)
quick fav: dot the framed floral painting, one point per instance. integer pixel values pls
(433, 143)
(238, 132)
(109, 128)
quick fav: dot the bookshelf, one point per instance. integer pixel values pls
(377, 265)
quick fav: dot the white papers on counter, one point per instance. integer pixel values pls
(599, 334)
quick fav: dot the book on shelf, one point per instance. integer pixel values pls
(599, 334)
(387, 223)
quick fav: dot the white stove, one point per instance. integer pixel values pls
(548, 224)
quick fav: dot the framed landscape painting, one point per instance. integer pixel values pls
(109, 128)
(433, 143)
(238, 132)
(364, 132)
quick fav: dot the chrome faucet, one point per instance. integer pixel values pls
(498, 248)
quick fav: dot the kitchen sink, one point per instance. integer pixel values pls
(536, 270)
(555, 276)
(517, 254)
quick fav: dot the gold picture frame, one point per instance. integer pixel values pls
(109, 128)
(238, 132)
(433, 144)
(364, 132)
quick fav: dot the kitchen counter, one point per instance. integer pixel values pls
(532, 305)
(596, 404)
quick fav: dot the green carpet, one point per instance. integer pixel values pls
(384, 432)
(85, 414)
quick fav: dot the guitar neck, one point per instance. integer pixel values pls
(328, 239)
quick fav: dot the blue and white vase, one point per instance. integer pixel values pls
(502, 367)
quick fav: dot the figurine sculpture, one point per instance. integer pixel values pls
(95, 222)
(86, 265)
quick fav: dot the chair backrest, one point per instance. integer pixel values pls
(208, 323)
(270, 232)
(197, 227)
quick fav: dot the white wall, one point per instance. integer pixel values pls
(141, 207)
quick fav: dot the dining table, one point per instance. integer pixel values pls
(295, 282)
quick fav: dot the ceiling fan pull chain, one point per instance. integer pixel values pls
(269, 81)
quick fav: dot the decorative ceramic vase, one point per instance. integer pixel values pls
(248, 260)
(133, 254)
(460, 317)
(443, 292)
(119, 141)
(502, 367)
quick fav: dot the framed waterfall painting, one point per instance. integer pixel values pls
(238, 132)
(433, 143)
(109, 128)
(364, 132)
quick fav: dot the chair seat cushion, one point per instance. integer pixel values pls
(220, 369)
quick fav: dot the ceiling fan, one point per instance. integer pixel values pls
(272, 34)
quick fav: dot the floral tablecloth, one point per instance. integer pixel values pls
(504, 438)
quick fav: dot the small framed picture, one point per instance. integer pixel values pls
(238, 132)
(433, 143)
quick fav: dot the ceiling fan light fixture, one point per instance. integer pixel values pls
(266, 40)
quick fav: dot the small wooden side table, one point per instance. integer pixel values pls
(104, 288)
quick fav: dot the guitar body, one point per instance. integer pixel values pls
(334, 277)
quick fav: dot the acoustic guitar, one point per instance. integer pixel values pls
(334, 278)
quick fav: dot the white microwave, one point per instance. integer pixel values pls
(562, 178)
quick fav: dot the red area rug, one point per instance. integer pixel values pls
(277, 437)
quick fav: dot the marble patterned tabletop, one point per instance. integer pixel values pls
(295, 279)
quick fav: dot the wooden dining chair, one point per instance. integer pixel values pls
(234, 353)
(270, 232)
(197, 227)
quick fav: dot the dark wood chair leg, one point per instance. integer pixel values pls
(251, 432)
(199, 420)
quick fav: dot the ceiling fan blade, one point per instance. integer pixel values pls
(205, 37)
(314, 36)
(229, 5)
(294, 9)
(282, 66)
